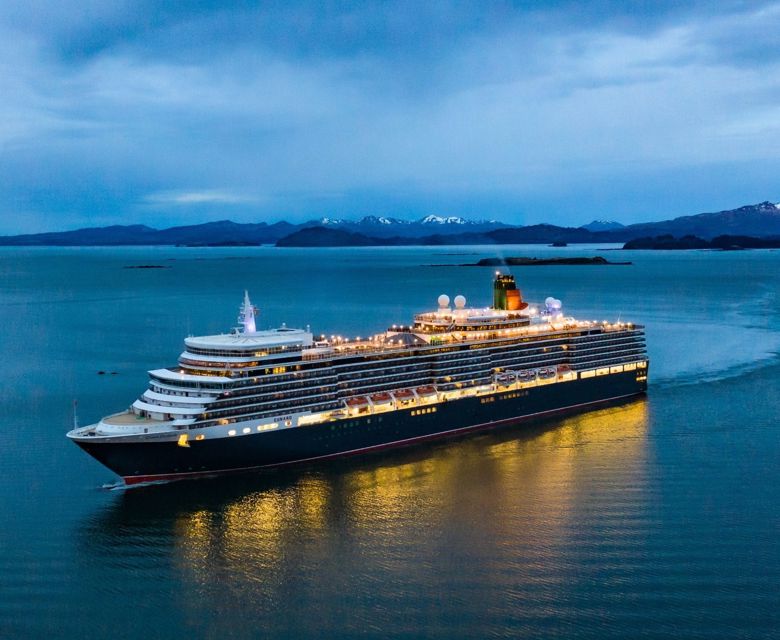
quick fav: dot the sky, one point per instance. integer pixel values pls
(167, 113)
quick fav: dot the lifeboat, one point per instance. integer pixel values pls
(356, 402)
(546, 373)
(504, 379)
(525, 376)
(427, 391)
(380, 399)
(404, 394)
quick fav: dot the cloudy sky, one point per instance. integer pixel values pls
(167, 113)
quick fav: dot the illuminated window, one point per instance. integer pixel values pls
(200, 437)
(232, 432)
(247, 429)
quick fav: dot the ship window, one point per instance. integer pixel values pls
(232, 432)
(200, 437)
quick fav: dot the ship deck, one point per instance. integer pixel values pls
(340, 346)
(127, 418)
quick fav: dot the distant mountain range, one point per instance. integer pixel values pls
(386, 227)
(758, 220)
(225, 232)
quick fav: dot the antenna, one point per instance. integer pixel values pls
(75, 415)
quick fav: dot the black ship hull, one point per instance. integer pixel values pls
(147, 461)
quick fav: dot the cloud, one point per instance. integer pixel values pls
(302, 109)
(197, 197)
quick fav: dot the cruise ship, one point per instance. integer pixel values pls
(262, 398)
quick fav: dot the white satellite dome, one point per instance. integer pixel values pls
(553, 304)
(444, 300)
(460, 302)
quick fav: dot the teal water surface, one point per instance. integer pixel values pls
(654, 519)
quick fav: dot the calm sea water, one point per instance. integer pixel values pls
(659, 518)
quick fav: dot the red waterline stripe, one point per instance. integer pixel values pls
(131, 480)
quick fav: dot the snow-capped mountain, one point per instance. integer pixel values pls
(388, 227)
(443, 220)
(602, 225)
(368, 220)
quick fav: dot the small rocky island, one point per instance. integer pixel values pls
(542, 262)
